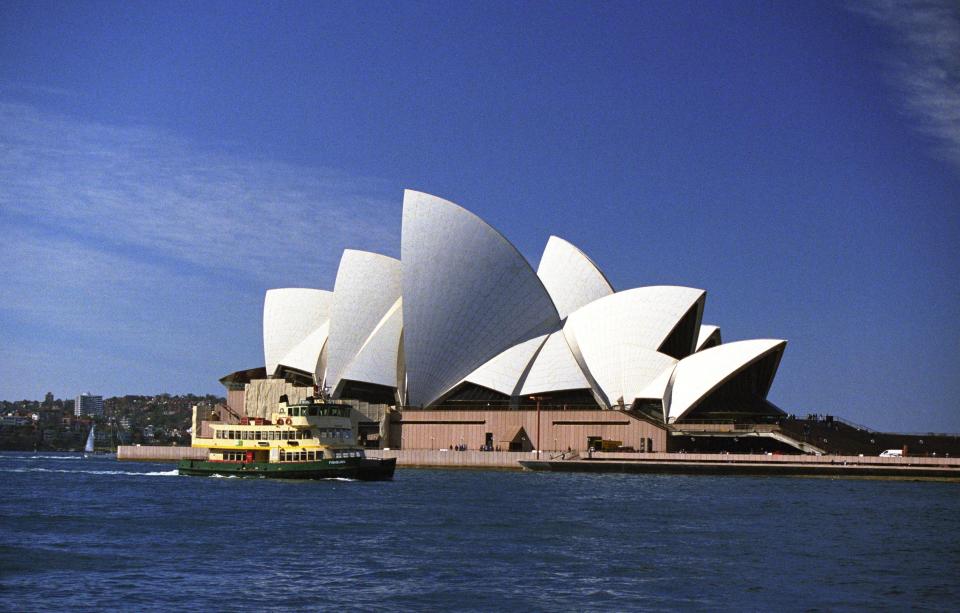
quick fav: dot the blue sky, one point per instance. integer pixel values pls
(162, 164)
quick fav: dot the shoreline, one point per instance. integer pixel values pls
(913, 468)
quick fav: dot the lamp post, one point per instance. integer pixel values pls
(538, 399)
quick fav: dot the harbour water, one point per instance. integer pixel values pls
(95, 534)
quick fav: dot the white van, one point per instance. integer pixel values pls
(892, 453)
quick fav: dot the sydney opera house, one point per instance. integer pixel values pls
(461, 342)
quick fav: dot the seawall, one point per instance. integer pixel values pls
(665, 463)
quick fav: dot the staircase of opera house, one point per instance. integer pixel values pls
(816, 434)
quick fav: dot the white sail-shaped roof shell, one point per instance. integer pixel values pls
(554, 369)
(468, 295)
(615, 339)
(644, 317)
(624, 372)
(376, 361)
(367, 286)
(708, 334)
(657, 389)
(504, 373)
(697, 375)
(289, 316)
(306, 355)
(571, 278)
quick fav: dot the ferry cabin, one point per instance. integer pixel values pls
(295, 433)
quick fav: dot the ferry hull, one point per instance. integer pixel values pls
(362, 469)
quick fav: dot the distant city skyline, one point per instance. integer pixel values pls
(163, 168)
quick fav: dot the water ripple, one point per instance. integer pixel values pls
(108, 535)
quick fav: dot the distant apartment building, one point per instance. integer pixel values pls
(88, 404)
(15, 420)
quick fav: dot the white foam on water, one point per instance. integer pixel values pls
(55, 457)
(45, 457)
(219, 476)
(169, 473)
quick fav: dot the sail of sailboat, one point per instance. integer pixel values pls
(89, 447)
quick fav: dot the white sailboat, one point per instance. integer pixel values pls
(89, 446)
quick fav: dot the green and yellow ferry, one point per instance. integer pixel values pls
(304, 440)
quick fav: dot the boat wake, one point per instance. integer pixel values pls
(165, 473)
(46, 457)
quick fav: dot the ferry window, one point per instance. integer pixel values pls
(313, 411)
(256, 435)
(306, 434)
